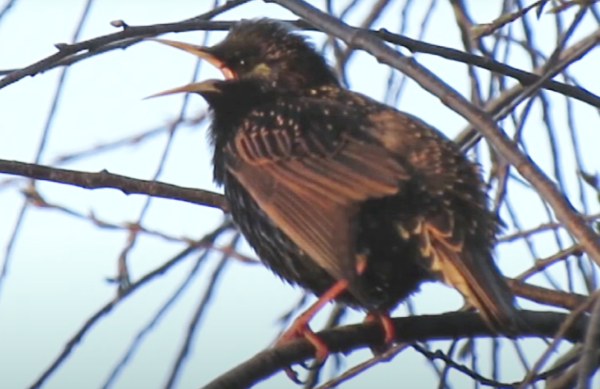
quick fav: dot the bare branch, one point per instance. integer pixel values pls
(408, 329)
(105, 179)
(65, 50)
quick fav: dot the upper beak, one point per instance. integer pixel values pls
(200, 52)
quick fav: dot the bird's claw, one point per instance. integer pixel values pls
(298, 330)
(389, 331)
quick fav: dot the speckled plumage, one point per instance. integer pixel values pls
(390, 278)
(320, 179)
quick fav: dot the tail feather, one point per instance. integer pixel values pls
(474, 274)
(480, 282)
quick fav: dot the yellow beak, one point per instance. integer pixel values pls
(200, 52)
(196, 87)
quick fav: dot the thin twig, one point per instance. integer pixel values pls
(198, 315)
(565, 326)
(137, 340)
(541, 228)
(589, 359)
(362, 367)
(486, 381)
(42, 145)
(91, 322)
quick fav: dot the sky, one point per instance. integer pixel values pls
(60, 263)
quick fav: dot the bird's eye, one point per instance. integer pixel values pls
(242, 62)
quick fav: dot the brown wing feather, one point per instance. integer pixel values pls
(314, 199)
(316, 224)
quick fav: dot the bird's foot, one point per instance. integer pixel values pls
(300, 329)
(389, 331)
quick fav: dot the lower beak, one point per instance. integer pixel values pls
(200, 52)
(203, 87)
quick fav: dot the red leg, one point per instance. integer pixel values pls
(300, 328)
(389, 331)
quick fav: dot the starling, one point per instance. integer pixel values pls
(338, 193)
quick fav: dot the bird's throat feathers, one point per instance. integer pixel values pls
(236, 99)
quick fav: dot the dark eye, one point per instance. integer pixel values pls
(242, 62)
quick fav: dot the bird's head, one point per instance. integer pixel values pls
(267, 51)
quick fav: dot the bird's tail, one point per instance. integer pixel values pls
(474, 274)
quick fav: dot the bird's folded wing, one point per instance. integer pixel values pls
(314, 198)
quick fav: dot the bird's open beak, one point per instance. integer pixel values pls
(207, 86)
(198, 51)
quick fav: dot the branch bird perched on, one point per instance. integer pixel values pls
(338, 193)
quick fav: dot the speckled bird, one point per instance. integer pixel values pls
(338, 193)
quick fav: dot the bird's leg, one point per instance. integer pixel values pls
(300, 328)
(389, 331)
